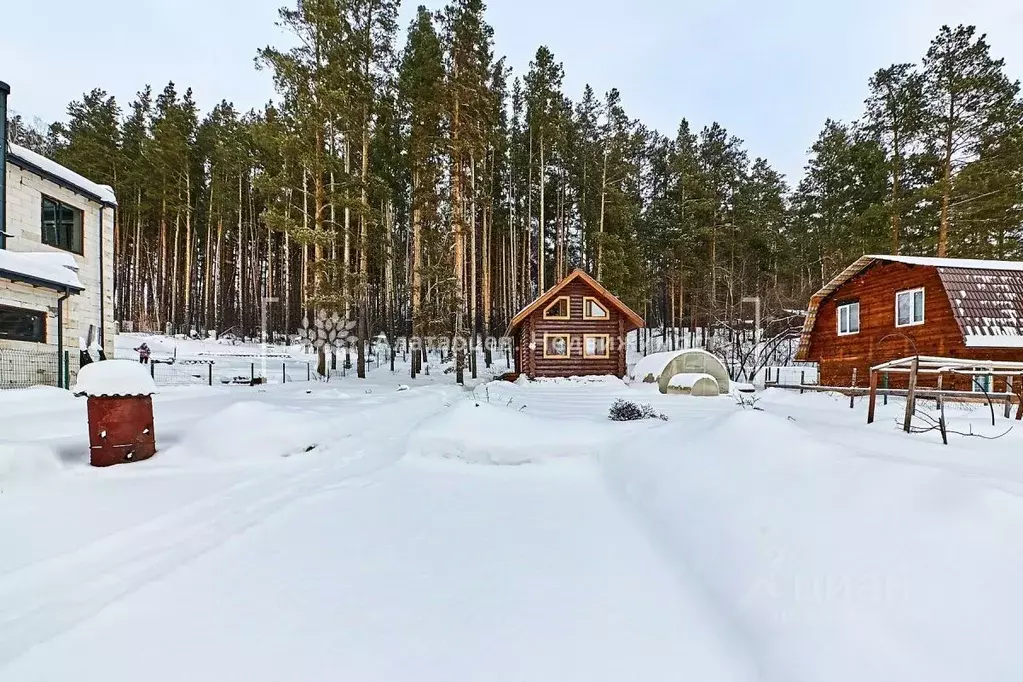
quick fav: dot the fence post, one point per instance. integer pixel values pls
(852, 395)
(67, 369)
(152, 369)
(308, 371)
(1008, 396)
(911, 395)
(886, 388)
(284, 373)
(252, 373)
(211, 373)
(873, 397)
(802, 381)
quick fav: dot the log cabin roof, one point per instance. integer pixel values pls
(986, 298)
(633, 320)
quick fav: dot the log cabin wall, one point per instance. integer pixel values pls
(534, 328)
(875, 289)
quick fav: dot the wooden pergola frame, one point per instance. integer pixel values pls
(916, 365)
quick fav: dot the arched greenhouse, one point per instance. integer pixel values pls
(661, 367)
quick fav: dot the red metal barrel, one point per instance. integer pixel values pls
(120, 429)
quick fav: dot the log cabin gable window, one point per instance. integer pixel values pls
(909, 307)
(558, 309)
(849, 318)
(593, 310)
(555, 346)
(596, 346)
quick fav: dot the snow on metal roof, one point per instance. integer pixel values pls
(987, 303)
(103, 193)
(953, 262)
(42, 268)
(114, 378)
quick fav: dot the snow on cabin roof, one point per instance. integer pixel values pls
(114, 378)
(37, 162)
(52, 270)
(986, 297)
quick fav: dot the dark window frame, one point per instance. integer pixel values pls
(58, 206)
(39, 315)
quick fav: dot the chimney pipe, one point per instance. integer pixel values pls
(5, 90)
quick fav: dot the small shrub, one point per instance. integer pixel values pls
(746, 401)
(627, 411)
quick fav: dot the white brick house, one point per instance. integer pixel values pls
(56, 253)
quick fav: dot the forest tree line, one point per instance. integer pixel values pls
(431, 191)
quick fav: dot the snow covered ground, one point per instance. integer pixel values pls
(352, 530)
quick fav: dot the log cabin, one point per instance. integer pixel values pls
(576, 328)
(883, 308)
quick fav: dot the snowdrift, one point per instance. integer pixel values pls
(835, 564)
(249, 431)
(22, 463)
(496, 434)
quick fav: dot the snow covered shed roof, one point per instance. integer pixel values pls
(50, 270)
(986, 297)
(114, 378)
(51, 170)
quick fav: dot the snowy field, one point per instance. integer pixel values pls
(354, 530)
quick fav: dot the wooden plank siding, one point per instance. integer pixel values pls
(531, 338)
(875, 289)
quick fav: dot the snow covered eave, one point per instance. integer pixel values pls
(49, 169)
(39, 270)
(993, 341)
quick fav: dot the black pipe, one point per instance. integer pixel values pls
(60, 338)
(102, 317)
(5, 90)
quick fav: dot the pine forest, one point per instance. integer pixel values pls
(408, 179)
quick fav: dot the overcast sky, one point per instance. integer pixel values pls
(770, 72)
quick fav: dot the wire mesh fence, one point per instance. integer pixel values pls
(230, 370)
(25, 368)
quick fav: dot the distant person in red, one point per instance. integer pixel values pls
(143, 352)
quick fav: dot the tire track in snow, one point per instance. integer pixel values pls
(71, 588)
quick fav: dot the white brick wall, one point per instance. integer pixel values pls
(24, 227)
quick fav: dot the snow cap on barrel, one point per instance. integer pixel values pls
(114, 378)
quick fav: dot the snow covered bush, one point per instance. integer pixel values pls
(627, 411)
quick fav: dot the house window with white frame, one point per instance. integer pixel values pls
(982, 383)
(849, 318)
(909, 307)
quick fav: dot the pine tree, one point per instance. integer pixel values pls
(895, 115)
(421, 97)
(969, 101)
(543, 99)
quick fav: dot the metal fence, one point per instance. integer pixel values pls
(229, 370)
(25, 368)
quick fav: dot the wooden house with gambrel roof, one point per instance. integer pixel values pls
(576, 328)
(882, 308)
